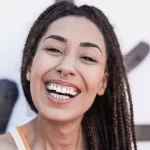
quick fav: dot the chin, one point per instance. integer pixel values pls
(61, 116)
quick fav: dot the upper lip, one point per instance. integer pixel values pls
(64, 83)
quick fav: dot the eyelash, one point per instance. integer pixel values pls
(54, 50)
(88, 58)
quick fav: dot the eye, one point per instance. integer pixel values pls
(87, 58)
(53, 50)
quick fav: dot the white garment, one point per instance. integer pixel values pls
(17, 139)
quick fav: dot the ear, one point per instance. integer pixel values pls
(103, 85)
(28, 74)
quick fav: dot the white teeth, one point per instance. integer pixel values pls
(61, 89)
(50, 86)
(58, 89)
(59, 96)
(71, 92)
(55, 95)
(54, 87)
(64, 90)
(65, 97)
(68, 91)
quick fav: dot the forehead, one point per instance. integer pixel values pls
(76, 30)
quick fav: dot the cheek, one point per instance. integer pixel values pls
(38, 69)
(92, 77)
(42, 63)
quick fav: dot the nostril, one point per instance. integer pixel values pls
(59, 71)
(71, 73)
(65, 71)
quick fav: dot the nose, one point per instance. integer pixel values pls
(66, 67)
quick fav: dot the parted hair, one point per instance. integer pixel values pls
(109, 123)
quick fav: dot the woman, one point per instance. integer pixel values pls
(73, 76)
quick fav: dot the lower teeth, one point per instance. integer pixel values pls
(59, 96)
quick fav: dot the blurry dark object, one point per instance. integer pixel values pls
(136, 56)
(132, 60)
(65, 0)
(8, 96)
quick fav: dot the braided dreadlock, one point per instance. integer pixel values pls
(109, 123)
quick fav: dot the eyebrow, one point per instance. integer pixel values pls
(64, 40)
(57, 37)
(89, 44)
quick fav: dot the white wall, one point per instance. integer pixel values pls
(131, 22)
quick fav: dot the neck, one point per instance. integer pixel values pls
(59, 136)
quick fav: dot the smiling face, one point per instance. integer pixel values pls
(68, 69)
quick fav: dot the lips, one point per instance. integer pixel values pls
(61, 90)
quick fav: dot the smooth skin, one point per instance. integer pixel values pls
(74, 45)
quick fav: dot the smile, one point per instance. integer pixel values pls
(61, 92)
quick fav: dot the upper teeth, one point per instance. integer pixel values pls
(62, 89)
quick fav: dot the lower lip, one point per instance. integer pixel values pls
(60, 101)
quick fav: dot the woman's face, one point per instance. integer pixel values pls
(68, 69)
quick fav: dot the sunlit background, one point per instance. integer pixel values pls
(131, 22)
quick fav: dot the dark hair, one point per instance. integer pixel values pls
(109, 123)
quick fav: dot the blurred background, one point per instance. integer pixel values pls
(131, 23)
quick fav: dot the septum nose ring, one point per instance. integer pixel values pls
(67, 74)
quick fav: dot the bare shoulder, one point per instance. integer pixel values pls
(6, 142)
